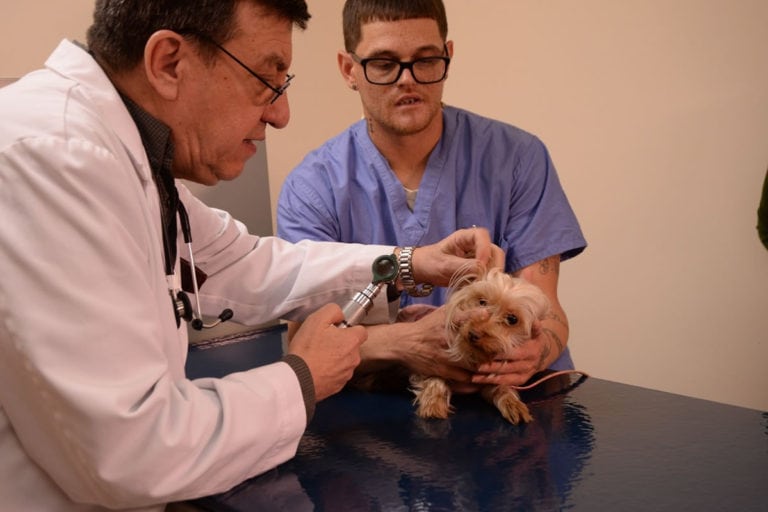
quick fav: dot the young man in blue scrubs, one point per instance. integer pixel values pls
(414, 170)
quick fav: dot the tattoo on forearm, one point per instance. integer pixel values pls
(557, 318)
(544, 354)
(548, 265)
(550, 338)
(552, 335)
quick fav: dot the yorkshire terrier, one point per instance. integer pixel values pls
(486, 317)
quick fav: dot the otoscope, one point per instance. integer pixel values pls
(385, 270)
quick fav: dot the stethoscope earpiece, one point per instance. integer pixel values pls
(198, 325)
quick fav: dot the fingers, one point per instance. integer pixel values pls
(483, 246)
(499, 258)
(479, 314)
(329, 314)
(479, 245)
(331, 353)
(465, 250)
(495, 368)
(471, 242)
(505, 371)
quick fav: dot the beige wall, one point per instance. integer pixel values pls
(656, 115)
(30, 30)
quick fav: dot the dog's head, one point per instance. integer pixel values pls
(489, 314)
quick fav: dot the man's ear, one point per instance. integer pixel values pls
(164, 59)
(449, 46)
(345, 67)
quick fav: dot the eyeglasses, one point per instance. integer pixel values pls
(382, 71)
(278, 91)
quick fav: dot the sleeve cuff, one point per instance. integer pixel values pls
(305, 381)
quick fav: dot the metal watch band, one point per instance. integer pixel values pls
(405, 261)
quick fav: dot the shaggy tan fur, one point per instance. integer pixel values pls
(506, 312)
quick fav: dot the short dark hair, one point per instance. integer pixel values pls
(358, 12)
(121, 28)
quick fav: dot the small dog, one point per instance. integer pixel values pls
(507, 311)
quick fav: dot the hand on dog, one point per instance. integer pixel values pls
(514, 368)
(517, 367)
(464, 250)
(425, 354)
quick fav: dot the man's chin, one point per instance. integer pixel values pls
(409, 125)
(209, 177)
(227, 174)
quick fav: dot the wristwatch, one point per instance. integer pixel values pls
(405, 262)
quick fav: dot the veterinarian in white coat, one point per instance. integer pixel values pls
(95, 408)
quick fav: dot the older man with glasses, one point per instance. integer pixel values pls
(415, 169)
(276, 91)
(96, 411)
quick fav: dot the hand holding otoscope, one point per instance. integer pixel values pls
(385, 270)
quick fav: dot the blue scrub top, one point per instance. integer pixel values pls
(482, 172)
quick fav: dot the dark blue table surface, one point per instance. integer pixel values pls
(593, 445)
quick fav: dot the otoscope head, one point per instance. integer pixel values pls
(385, 269)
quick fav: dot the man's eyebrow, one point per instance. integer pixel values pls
(387, 54)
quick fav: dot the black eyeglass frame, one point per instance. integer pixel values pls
(279, 91)
(403, 65)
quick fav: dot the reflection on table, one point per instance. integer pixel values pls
(593, 445)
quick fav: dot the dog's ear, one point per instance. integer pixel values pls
(468, 274)
(463, 276)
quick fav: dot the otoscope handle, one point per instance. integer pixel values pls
(385, 269)
(359, 305)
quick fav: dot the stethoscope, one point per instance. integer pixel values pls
(182, 306)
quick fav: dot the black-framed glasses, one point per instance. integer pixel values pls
(384, 71)
(278, 91)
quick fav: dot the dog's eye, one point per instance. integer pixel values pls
(512, 319)
(482, 302)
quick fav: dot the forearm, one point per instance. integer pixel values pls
(386, 344)
(555, 331)
(419, 346)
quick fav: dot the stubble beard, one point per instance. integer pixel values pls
(397, 126)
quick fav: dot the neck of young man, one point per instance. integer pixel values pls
(408, 155)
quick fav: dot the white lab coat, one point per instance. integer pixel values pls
(95, 409)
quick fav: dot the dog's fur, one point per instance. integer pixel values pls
(507, 311)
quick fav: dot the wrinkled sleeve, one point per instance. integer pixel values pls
(540, 222)
(264, 278)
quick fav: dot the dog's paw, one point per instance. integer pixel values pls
(433, 398)
(508, 402)
(514, 410)
(437, 408)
